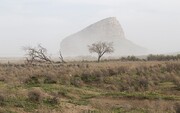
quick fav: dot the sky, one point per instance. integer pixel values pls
(153, 24)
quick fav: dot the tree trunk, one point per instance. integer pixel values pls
(99, 57)
(61, 57)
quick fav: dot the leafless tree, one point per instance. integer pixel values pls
(61, 57)
(101, 48)
(37, 54)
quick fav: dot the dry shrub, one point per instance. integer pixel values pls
(143, 83)
(95, 76)
(32, 80)
(2, 100)
(176, 80)
(172, 67)
(126, 76)
(35, 95)
(111, 87)
(127, 83)
(65, 79)
(86, 76)
(77, 81)
(104, 72)
(123, 69)
(53, 100)
(177, 107)
(2, 78)
(142, 70)
(113, 71)
(50, 79)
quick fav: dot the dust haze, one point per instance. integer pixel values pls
(89, 56)
(153, 25)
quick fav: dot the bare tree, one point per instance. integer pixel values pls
(101, 48)
(37, 54)
(61, 57)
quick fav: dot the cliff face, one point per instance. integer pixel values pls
(108, 30)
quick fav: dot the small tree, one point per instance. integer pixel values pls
(38, 54)
(61, 57)
(101, 48)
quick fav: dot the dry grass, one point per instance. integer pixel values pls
(109, 86)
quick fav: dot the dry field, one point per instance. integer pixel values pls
(91, 87)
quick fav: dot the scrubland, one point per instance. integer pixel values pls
(91, 87)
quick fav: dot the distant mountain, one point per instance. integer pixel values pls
(108, 30)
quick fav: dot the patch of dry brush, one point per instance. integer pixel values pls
(110, 76)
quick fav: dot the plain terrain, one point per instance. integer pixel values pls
(91, 87)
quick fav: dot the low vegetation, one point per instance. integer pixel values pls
(91, 87)
(163, 57)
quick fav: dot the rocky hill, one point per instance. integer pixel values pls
(108, 30)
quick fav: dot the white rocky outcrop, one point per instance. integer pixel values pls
(108, 30)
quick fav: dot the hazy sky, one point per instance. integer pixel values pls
(154, 24)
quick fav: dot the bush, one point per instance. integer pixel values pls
(130, 58)
(32, 80)
(62, 93)
(86, 77)
(50, 79)
(76, 81)
(35, 95)
(143, 83)
(65, 79)
(2, 79)
(52, 101)
(2, 100)
(123, 69)
(92, 77)
(177, 107)
(112, 71)
(163, 57)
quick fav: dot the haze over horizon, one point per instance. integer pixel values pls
(151, 24)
